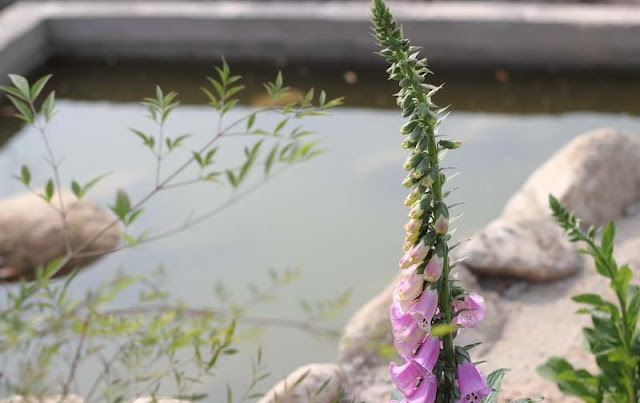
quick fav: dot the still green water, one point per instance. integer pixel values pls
(339, 216)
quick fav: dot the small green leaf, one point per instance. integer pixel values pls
(607, 238)
(494, 380)
(37, 88)
(48, 105)
(122, 205)
(76, 189)
(48, 190)
(25, 175)
(22, 85)
(443, 329)
(25, 111)
(232, 179)
(250, 121)
(271, 157)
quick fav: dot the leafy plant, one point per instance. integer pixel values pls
(47, 332)
(613, 338)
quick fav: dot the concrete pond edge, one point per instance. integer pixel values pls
(464, 34)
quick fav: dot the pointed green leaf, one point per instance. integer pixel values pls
(48, 105)
(37, 88)
(22, 85)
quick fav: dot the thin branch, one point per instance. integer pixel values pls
(191, 222)
(76, 357)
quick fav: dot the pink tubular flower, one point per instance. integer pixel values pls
(407, 377)
(426, 391)
(415, 379)
(400, 320)
(471, 310)
(472, 385)
(409, 340)
(433, 269)
(408, 288)
(424, 308)
(428, 354)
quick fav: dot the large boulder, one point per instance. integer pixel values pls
(596, 176)
(309, 383)
(32, 235)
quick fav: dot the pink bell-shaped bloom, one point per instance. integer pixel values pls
(426, 391)
(424, 308)
(400, 320)
(417, 384)
(407, 377)
(419, 252)
(472, 385)
(428, 354)
(471, 311)
(408, 340)
(433, 269)
(409, 288)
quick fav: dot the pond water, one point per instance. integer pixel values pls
(339, 216)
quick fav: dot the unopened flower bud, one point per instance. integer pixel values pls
(423, 144)
(409, 181)
(413, 225)
(427, 181)
(406, 261)
(407, 245)
(417, 134)
(441, 224)
(412, 161)
(433, 269)
(449, 144)
(411, 236)
(407, 143)
(408, 127)
(419, 252)
(416, 210)
(412, 197)
(421, 169)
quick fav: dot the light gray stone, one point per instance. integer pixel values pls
(596, 176)
(534, 250)
(31, 233)
(303, 385)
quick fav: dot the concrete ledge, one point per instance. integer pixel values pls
(459, 34)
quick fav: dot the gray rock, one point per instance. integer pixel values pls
(535, 250)
(303, 385)
(596, 176)
(31, 233)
